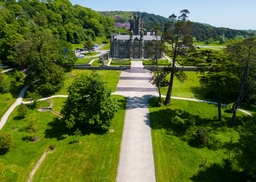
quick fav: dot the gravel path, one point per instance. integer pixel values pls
(136, 162)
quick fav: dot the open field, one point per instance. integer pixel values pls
(176, 157)
(94, 158)
(111, 77)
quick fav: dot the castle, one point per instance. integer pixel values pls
(132, 46)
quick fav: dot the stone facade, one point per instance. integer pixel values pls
(132, 46)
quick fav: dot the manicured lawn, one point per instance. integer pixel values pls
(189, 88)
(74, 46)
(120, 62)
(176, 157)
(58, 103)
(94, 158)
(110, 76)
(153, 62)
(106, 47)
(92, 53)
(84, 60)
(6, 101)
(97, 62)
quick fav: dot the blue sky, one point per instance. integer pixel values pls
(235, 14)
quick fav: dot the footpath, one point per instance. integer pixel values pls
(136, 162)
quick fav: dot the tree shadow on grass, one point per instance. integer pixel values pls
(57, 129)
(219, 172)
(177, 122)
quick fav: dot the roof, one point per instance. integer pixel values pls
(145, 37)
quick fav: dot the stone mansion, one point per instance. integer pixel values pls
(132, 46)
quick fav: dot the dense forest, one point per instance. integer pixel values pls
(202, 32)
(22, 20)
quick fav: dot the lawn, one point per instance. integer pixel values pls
(106, 47)
(175, 155)
(83, 60)
(7, 99)
(91, 54)
(110, 76)
(116, 62)
(189, 88)
(94, 158)
(74, 46)
(161, 62)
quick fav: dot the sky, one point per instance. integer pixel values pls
(234, 14)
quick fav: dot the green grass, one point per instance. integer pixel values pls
(7, 99)
(74, 46)
(176, 159)
(153, 62)
(58, 103)
(120, 62)
(94, 158)
(110, 76)
(186, 89)
(84, 60)
(96, 63)
(91, 53)
(106, 47)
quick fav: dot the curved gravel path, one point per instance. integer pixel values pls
(15, 104)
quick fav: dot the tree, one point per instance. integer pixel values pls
(180, 41)
(246, 155)
(243, 53)
(44, 76)
(22, 110)
(88, 45)
(5, 142)
(215, 77)
(153, 49)
(89, 103)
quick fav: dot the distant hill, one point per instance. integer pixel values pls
(201, 31)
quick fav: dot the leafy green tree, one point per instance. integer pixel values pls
(45, 77)
(89, 103)
(215, 78)
(22, 110)
(4, 84)
(243, 54)
(5, 142)
(246, 153)
(88, 44)
(22, 49)
(180, 41)
(62, 54)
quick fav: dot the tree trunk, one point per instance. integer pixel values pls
(219, 105)
(240, 94)
(173, 70)
(169, 91)
(158, 80)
